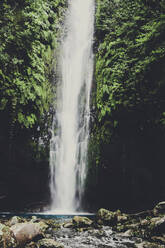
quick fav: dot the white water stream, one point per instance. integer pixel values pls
(70, 132)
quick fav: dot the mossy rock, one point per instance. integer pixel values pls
(106, 217)
(68, 225)
(7, 238)
(15, 220)
(122, 218)
(79, 221)
(49, 243)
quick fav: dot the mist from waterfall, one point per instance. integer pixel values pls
(70, 131)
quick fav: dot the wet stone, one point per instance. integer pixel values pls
(15, 220)
(49, 243)
(79, 221)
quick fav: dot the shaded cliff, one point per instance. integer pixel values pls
(126, 154)
(28, 37)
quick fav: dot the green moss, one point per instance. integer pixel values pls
(28, 39)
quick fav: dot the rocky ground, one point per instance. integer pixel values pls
(108, 229)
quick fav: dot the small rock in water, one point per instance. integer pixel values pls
(49, 243)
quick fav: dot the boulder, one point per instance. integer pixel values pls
(106, 217)
(25, 232)
(79, 221)
(68, 225)
(7, 238)
(53, 224)
(49, 243)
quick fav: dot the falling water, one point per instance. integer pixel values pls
(68, 149)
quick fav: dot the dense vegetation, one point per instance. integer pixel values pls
(28, 37)
(128, 135)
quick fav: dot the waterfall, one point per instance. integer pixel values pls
(70, 131)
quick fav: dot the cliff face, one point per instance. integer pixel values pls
(29, 36)
(126, 150)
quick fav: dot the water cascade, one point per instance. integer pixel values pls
(70, 132)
